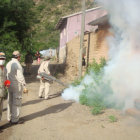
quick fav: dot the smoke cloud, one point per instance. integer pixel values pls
(124, 65)
(121, 77)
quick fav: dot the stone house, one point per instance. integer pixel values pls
(95, 45)
(70, 27)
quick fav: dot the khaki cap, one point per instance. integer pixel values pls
(2, 55)
(47, 58)
(16, 53)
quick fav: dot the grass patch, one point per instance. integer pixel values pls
(97, 110)
(112, 118)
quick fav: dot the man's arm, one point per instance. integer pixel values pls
(46, 68)
(20, 77)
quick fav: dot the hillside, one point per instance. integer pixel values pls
(48, 13)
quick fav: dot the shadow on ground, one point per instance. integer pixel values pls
(55, 95)
(53, 109)
(40, 100)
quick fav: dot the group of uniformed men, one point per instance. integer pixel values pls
(14, 73)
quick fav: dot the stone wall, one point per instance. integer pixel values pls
(62, 55)
(98, 45)
(98, 48)
(72, 60)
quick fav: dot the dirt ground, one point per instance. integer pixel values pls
(57, 119)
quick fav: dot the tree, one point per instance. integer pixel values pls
(16, 20)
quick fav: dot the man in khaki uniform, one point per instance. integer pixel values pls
(44, 84)
(2, 80)
(15, 75)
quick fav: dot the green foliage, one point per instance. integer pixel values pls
(25, 25)
(89, 4)
(57, 12)
(83, 99)
(96, 93)
(48, 14)
(77, 82)
(96, 67)
(91, 97)
(72, 4)
(8, 45)
(49, 27)
(112, 118)
(97, 110)
(41, 7)
(15, 26)
(52, 1)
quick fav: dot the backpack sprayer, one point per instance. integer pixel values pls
(50, 78)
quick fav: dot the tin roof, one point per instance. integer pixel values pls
(63, 19)
(99, 21)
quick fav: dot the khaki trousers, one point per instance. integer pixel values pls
(14, 102)
(1, 107)
(44, 88)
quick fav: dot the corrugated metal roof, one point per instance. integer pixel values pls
(99, 21)
(63, 19)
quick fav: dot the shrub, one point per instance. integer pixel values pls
(92, 93)
(77, 82)
(97, 110)
(96, 67)
(112, 118)
(41, 7)
(83, 99)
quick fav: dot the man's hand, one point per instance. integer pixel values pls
(25, 90)
(42, 78)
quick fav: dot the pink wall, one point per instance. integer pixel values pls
(63, 36)
(73, 26)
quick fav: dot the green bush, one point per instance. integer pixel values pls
(77, 82)
(112, 118)
(97, 110)
(57, 12)
(96, 67)
(83, 99)
(41, 7)
(92, 93)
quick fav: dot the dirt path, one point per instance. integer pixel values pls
(56, 119)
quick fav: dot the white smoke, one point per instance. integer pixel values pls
(123, 69)
(73, 93)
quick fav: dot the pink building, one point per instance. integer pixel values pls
(70, 26)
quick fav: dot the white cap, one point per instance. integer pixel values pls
(47, 58)
(16, 53)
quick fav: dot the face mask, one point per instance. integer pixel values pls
(2, 62)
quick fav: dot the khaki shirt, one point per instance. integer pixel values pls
(15, 72)
(2, 80)
(44, 67)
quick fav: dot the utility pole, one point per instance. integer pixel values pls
(82, 38)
